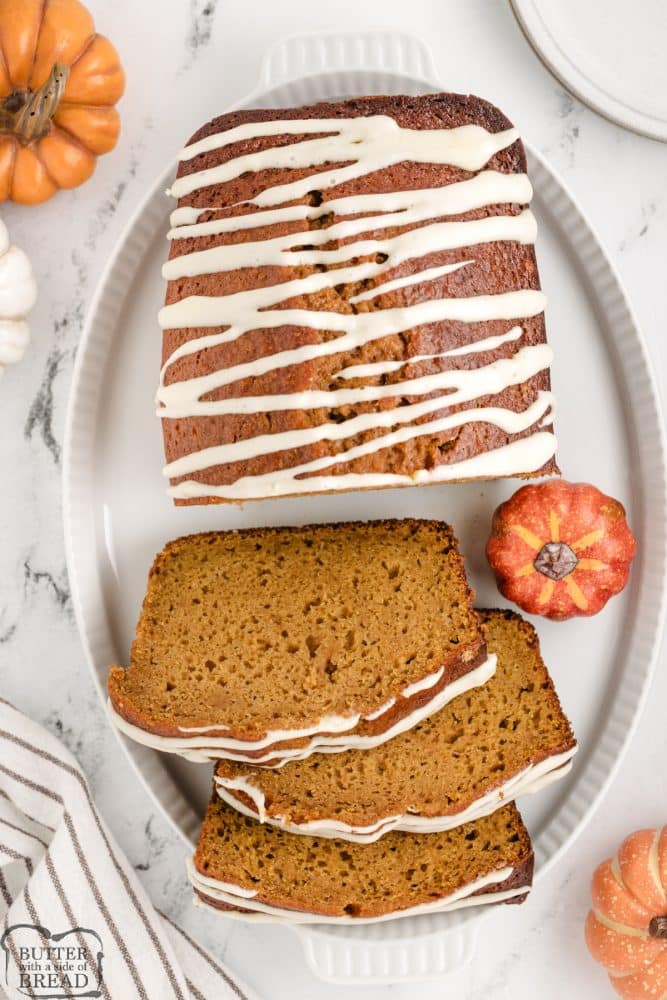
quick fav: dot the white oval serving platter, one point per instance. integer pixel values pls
(117, 515)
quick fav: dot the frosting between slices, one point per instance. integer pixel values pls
(236, 896)
(526, 782)
(196, 745)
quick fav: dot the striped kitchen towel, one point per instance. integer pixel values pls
(75, 920)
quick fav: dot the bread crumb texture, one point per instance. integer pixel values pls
(277, 628)
(475, 743)
(338, 878)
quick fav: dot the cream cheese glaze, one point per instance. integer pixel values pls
(531, 779)
(384, 367)
(237, 896)
(197, 746)
(371, 143)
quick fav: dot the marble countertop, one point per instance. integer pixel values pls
(186, 61)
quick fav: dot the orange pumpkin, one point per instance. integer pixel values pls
(626, 929)
(560, 549)
(59, 81)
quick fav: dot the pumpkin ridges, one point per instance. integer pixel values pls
(102, 140)
(5, 79)
(20, 24)
(40, 22)
(588, 524)
(31, 183)
(81, 53)
(618, 549)
(36, 153)
(634, 860)
(71, 138)
(75, 106)
(615, 902)
(633, 951)
(650, 981)
(662, 857)
(40, 42)
(67, 162)
(7, 167)
(66, 26)
(97, 76)
(618, 952)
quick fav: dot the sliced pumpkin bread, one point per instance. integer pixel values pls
(486, 747)
(259, 871)
(269, 643)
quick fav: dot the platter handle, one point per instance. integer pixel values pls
(366, 956)
(328, 54)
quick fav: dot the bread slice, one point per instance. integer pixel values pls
(267, 644)
(380, 324)
(259, 871)
(486, 747)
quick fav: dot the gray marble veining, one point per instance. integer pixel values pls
(185, 62)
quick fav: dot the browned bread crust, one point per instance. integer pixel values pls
(334, 878)
(476, 743)
(500, 266)
(276, 628)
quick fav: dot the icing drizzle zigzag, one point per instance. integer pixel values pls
(363, 253)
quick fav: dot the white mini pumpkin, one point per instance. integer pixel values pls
(18, 291)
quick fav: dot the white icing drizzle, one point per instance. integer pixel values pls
(381, 710)
(225, 787)
(373, 143)
(385, 367)
(423, 684)
(332, 723)
(418, 278)
(327, 724)
(467, 895)
(262, 444)
(499, 372)
(232, 889)
(366, 144)
(281, 252)
(185, 226)
(183, 398)
(198, 746)
(513, 459)
(487, 188)
(186, 215)
(526, 782)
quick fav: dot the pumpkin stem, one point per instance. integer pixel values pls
(27, 115)
(658, 927)
(555, 560)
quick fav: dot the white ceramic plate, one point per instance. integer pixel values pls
(117, 515)
(610, 53)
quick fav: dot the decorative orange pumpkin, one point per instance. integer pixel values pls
(59, 81)
(626, 929)
(560, 549)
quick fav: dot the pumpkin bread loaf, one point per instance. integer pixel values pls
(353, 302)
(241, 865)
(487, 746)
(267, 643)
